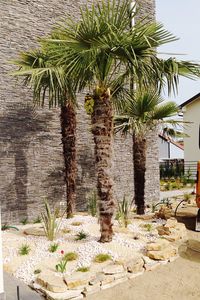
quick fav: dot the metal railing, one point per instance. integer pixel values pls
(178, 169)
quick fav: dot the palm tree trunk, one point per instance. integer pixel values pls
(68, 131)
(102, 129)
(139, 162)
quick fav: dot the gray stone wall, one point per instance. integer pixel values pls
(31, 162)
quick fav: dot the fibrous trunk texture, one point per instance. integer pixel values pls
(68, 131)
(139, 162)
(102, 129)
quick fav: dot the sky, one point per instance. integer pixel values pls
(181, 17)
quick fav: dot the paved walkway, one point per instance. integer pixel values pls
(174, 193)
(11, 289)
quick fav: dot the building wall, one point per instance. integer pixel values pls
(191, 113)
(31, 162)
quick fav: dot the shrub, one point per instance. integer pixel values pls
(148, 227)
(66, 230)
(100, 258)
(24, 249)
(123, 212)
(92, 199)
(83, 269)
(53, 247)
(37, 271)
(70, 256)
(81, 235)
(24, 221)
(51, 228)
(37, 220)
(76, 223)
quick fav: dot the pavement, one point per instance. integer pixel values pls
(24, 291)
(175, 193)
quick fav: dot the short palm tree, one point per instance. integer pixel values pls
(50, 82)
(100, 51)
(143, 111)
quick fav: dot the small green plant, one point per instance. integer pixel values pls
(76, 223)
(148, 227)
(37, 271)
(37, 220)
(24, 221)
(187, 197)
(66, 230)
(100, 258)
(51, 227)
(92, 203)
(70, 256)
(53, 247)
(7, 227)
(83, 269)
(24, 249)
(61, 266)
(81, 235)
(123, 212)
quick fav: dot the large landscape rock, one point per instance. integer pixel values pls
(165, 254)
(133, 265)
(113, 269)
(69, 294)
(51, 282)
(35, 231)
(161, 244)
(78, 279)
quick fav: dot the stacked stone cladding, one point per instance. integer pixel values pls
(31, 162)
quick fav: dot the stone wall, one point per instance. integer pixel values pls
(31, 162)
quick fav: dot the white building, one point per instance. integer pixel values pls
(191, 113)
(169, 149)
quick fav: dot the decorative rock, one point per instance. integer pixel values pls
(107, 279)
(165, 254)
(77, 280)
(150, 264)
(51, 282)
(98, 279)
(135, 265)
(158, 245)
(134, 275)
(163, 230)
(75, 295)
(171, 223)
(164, 213)
(114, 283)
(113, 269)
(120, 275)
(36, 231)
(91, 289)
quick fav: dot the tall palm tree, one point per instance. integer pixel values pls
(50, 82)
(142, 112)
(102, 52)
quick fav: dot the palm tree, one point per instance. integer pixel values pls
(100, 51)
(50, 82)
(142, 112)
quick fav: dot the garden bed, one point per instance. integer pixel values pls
(91, 266)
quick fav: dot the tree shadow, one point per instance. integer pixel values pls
(86, 178)
(19, 127)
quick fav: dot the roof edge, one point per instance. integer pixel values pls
(189, 101)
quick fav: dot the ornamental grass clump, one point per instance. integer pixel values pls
(24, 249)
(83, 269)
(123, 213)
(81, 235)
(100, 258)
(53, 247)
(70, 256)
(51, 227)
